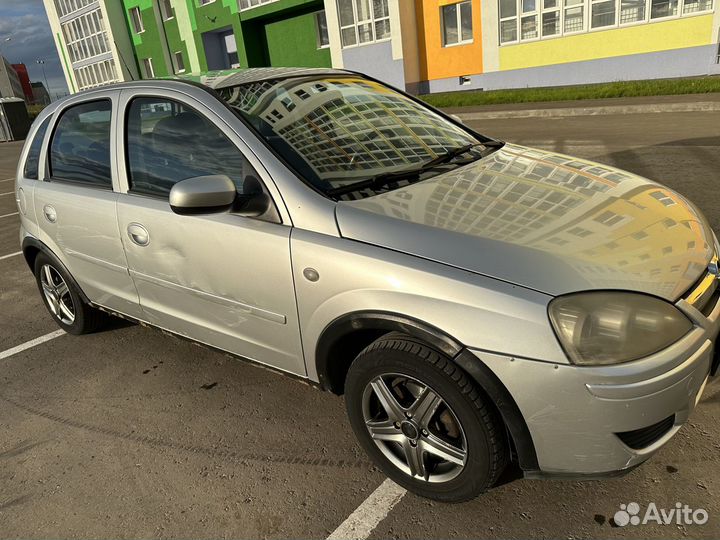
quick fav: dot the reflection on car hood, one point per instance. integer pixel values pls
(545, 221)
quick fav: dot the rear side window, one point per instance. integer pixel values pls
(33, 158)
(168, 142)
(80, 146)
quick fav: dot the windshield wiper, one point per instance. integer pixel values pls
(383, 179)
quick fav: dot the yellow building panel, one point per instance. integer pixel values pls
(638, 39)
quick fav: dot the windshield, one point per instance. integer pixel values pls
(339, 132)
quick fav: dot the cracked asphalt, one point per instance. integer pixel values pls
(132, 433)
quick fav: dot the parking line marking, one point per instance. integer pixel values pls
(8, 215)
(370, 513)
(10, 255)
(31, 343)
(8, 193)
(7, 180)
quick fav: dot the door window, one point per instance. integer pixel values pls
(80, 146)
(33, 157)
(168, 142)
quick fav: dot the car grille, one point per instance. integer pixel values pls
(644, 437)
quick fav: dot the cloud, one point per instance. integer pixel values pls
(25, 23)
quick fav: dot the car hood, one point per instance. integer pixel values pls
(545, 221)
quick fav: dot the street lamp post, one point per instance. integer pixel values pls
(47, 86)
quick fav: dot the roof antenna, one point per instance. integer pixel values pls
(127, 68)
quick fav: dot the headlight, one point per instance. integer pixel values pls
(600, 328)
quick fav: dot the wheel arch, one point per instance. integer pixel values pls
(32, 247)
(345, 337)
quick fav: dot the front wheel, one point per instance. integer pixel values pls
(423, 421)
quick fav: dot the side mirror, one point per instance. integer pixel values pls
(253, 202)
(203, 195)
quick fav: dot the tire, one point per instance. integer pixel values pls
(63, 300)
(438, 402)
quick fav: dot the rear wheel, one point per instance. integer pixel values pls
(423, 421)
(62, 298)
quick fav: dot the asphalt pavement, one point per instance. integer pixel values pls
(132, 433)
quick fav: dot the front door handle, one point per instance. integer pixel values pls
(138, 234)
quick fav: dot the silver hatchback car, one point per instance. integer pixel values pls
(476, 302)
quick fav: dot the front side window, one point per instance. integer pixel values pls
(33, 158)
(136, 19)
(80, 146)
(168, 142)
(457, 23)
(363, 21)
(338, 131)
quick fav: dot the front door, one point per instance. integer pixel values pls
(218, 278)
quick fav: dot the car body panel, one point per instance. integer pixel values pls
(545, 221)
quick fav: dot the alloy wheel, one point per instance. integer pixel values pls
(414, 427)
(57, 294)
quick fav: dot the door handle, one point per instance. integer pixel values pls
(138, 234)
(50, 213)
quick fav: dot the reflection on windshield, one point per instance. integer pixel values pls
(338, 130)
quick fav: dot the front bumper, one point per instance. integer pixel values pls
(579, 417)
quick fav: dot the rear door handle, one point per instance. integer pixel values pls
(50, 213)
(138, 234)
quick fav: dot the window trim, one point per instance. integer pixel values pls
(458, 20)
(149, 61)
(586, 5)
(138, 21)
(57, 115)
(176, 68)
(253, 7)
(320, 46)
(164, 16)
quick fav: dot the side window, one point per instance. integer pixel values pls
(168, 142)
(33, 158)
(80, 147)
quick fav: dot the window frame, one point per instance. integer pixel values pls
(169, 14)
(133, 11)
(586, 7)
(458, 21)
(262, 3)
(176, 67)
(372, 21)
(57, 117)
(318, 36)
(148, 62)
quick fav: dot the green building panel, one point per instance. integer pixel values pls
(218, 36)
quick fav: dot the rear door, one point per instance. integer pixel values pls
(219, 278)
(75, 204)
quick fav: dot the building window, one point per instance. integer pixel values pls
(148, 65)
(179, 62)
(66, 7)
(457, 23)
(520, 19)
(363, 21)
(248, 4)
(166, 10)
(136, 19)
(323, 39)
(205, 2)
(85, 36)
(97, 74)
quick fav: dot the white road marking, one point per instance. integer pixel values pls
(8, 193)
(31, 343)
(7, 180)
(8, 215)
(10, 255)
(370, 513)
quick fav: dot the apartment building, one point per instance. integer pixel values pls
(421, 46)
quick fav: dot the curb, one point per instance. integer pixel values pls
(702, 106)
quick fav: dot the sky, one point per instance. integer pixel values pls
(25, 23)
